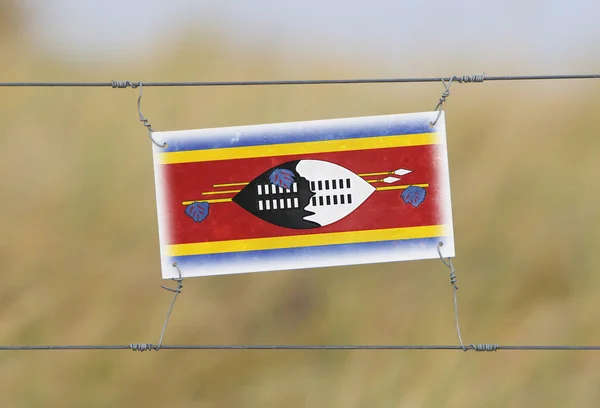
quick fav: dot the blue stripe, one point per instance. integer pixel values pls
(294, 133)
(301, 254)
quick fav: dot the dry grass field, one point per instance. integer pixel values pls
(79, 247)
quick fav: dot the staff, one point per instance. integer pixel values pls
(399, 172)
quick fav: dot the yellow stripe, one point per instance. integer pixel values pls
(243, 183)
(334, 238)
(381, 173)
(216, 200)
(385, 188)
(220, 192)
(287, 149)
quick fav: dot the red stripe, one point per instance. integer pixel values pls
(228, 221)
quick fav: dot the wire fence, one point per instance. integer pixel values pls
(459, 79)
(152, 347)
(141, 347)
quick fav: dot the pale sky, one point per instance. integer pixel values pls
(548, 36)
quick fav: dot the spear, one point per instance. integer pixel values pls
(399, 172)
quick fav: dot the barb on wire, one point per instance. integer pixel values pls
(460, 79)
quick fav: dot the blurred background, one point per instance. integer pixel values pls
(78, 234)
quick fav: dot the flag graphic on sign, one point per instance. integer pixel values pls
(303, 195)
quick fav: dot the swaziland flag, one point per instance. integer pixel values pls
(303, 194)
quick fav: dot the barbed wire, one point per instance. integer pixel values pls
(459, 79)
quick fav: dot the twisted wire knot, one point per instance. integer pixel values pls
(147, 125)
(141, 347)
(485, 347)
(466, 79)
(445, 95)
(453, 278)
(177, 289)
(124, 84)
(144, 120)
